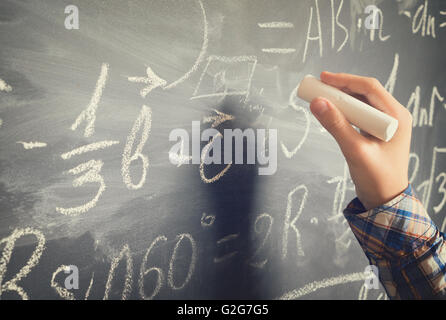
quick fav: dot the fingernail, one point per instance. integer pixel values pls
(319, 107)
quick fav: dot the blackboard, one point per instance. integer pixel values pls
(85, 175)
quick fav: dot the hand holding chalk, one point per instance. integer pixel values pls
(358, 113)
(378, 169)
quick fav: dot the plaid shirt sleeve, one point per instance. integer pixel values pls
(401, 240)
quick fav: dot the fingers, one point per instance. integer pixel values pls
(337, 125)
(369, 136)
(371, 91)
(370, 88)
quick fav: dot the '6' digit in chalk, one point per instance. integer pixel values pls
(145, 120)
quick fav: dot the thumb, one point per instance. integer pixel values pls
(332, 119)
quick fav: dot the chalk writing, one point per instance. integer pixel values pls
(63, 292)
(423, 22)
(235, 64)
(171, 264)
(443, 24)
(204, 152)
(144, 272)
(193, 259)
(416, 166)
(144, 120)
(89, 114)
(333, 29)
(201, 55)
(423, 116)
(428, 184)
(181, 156)
(382, 38)
(279, 50)
(218, 119)
(88, 148)
(90, 285)
(229, 255)
(32, 145)
(207, 220)
(276, 25)
(293, 96)
(11, 285)
(4, 86)
(152, 81)
(319, 31)
(291, 223)
(123, 254)
(390, 84)
(270, 220)
(325, 283)
(92, 174)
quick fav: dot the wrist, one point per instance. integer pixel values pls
(371, 200)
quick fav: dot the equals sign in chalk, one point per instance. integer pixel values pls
(277, 25)
(443, 13)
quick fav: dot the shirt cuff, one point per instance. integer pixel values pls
(402, 241)
(397, 229)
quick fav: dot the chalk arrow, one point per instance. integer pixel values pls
(152, 81)
(218, 119)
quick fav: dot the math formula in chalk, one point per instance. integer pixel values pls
(96, 184)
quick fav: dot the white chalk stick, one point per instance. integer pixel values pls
(358, 113)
